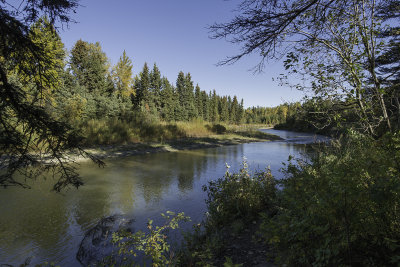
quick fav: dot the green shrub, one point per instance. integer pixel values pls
(233, 201)
(153, 244)
(218, 128)
(240, 196)
(341, 207)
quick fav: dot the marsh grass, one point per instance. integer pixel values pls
(150, 129)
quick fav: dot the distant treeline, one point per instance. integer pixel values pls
(87, 87)
(271, 115)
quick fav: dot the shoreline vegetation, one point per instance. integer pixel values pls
(254, 219)
(339, 207)
(103, 142)
(67, 101)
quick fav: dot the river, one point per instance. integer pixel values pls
(49, 226)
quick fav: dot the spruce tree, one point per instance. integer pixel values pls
(142, 85)
(189, 97)
(198, 101)
(182, 112)
(205, 105)
(26, 126)
(214, 116)
(240, 113)
(234, 110)
(89, 64)
(223, 109)
(155, 88)
(43, 34)
(167, 101)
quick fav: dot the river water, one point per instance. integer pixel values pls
(50, 226)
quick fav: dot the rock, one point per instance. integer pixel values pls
(97, 241)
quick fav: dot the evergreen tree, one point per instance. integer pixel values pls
(198, 101)
(182, 112)
(90, 66)
(189, 97)
(22, 119)
(240, 113)
(214, 116)
(43, 35)
(167, 101)
(223, 109)
(234, 110)
(205, 105)
(142, 85)
(155, 87)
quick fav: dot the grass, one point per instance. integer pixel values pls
(118, 132)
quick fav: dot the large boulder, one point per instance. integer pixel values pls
(97, 245)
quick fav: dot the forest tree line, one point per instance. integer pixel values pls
(88, 87)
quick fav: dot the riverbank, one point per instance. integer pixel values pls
(217, 140)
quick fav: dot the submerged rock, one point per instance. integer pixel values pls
(96, 245)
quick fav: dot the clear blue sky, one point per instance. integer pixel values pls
(174, 35)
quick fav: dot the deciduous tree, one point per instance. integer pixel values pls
(333, 44)
(122, 76)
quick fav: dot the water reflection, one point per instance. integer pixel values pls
(50, 226)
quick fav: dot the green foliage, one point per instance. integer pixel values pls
(213, 114)
(218, 128)
(153, 243)
(223, 109)
(156, 85)
(76, 104)
(338, 45)
(341, 207)
(44, 35)
(234, 201)
(90, 66)
(271, 116)
(168, 101)
(239, 196)
(30, 63)
(184, 89)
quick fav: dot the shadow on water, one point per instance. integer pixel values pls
(51, 226)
